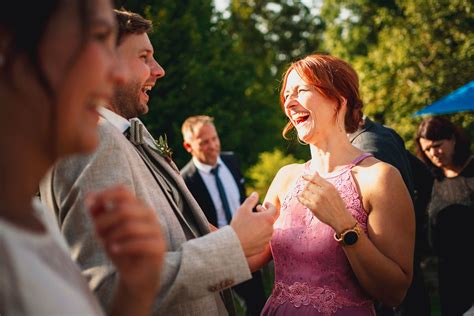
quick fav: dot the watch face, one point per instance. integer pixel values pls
(350, 238)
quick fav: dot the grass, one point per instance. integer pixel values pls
(430, 273)
(435, 307)
(238, 306)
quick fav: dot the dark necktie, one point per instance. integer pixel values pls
(223, 196)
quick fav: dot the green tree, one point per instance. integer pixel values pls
(352, 26)
(408, 54)
(227, 67)
(262, 173)
(271, 34)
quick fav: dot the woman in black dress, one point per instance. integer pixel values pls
(445, 148)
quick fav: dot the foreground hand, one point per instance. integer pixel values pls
(254, 229)
(324, 201)
(212, 228)
(131, 235)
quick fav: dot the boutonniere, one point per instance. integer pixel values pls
(162, 147)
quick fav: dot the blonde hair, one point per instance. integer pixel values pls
(193, 123)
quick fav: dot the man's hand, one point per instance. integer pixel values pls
(131, 235)
(254, 229)
(212, 228)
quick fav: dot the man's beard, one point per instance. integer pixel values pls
(126, 100)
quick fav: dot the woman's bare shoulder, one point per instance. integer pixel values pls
(377, 179)
(284, 178)
(291, 169)
(289, 173)
(373, 169)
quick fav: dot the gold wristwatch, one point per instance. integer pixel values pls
(350, 236)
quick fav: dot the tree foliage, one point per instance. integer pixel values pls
(408, 54)
(262, 173)
(229, 64)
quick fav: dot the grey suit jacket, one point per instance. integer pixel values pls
(195, 271)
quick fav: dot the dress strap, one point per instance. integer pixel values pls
(358, 160)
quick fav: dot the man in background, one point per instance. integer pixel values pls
(386, 145)
(216, 182)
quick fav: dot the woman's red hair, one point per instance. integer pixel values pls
(333, 78)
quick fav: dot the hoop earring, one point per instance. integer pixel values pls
(300, 141)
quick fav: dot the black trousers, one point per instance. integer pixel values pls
(253, 293)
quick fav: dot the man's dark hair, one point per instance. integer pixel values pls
(131, 23)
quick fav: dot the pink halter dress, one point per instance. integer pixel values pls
(312, 273)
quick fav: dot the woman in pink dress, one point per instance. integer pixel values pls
(345, 234)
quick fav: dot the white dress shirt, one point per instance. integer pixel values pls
(230, 187)
(121, 123)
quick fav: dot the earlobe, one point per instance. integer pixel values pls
(343, 103)
(187, 146)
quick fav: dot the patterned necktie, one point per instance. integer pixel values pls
(223, 196)
(142, 140)
(138, 135)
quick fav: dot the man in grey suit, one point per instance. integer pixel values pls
(199, 265)
(216, 182)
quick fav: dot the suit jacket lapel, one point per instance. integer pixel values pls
(201, 221)
(165, 190)
(202, 195)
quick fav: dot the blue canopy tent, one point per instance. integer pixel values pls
(460, 100)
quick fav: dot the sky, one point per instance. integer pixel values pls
(221, 5)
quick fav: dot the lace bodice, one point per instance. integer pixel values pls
(311, 268)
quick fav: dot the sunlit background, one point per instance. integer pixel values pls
(227, 61)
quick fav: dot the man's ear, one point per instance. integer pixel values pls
(187, 146)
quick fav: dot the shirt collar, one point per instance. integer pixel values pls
(121, 123)
(206, 168)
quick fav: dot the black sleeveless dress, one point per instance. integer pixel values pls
(451, 217)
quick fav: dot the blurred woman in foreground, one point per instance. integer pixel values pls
(57, 65)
